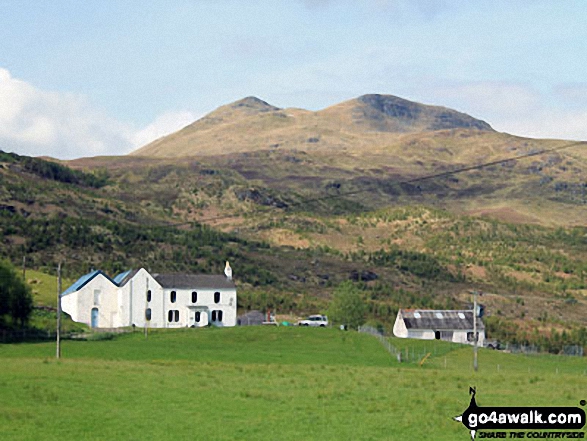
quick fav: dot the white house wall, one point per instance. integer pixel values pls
(459, 336)
(134, 301)
(127, 305)
(421, 334)
(399, 327)
(205, 305)
(99, 293)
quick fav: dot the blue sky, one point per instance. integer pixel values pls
(94, 77)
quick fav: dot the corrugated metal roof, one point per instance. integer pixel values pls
(179, 281)
(122, 278)
(81, 282)
(439, 319)
(194, 281)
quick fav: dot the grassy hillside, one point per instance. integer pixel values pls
(301, 201)
(294, 225)
(363, 124)
(253, 383)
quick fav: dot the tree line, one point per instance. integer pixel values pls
(56, 172)
(16, 300)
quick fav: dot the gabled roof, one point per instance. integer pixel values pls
(439, 319)
(193, 281)
(124, 277)
(169, 281)
(83, 281)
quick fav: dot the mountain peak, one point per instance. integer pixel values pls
(251, 124)
(391, 113)
(252, 103)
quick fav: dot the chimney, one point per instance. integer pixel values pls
(228, 271)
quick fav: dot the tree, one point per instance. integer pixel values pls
(16, 301)
(347, 306)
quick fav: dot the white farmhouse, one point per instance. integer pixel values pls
(139, 298)
(425, 324)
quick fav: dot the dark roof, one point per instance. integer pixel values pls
(439, 319)
(193, 281)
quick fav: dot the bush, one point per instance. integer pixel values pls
(348, 306)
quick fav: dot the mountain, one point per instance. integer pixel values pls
(367, 122)
(419, 203)
(387, 113)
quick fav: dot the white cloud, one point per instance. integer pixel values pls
(64, 125)
(164, 124)
(518, 109)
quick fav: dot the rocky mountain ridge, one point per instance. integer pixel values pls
(251, 124)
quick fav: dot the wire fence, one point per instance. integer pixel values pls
(26, 335)
(570, 350)
(422, 350)
(384, 341)
(416, 353)
(40, 335)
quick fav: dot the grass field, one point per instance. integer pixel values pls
(263, 383)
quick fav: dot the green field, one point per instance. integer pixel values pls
(263, 383)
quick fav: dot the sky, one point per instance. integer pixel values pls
(83, 78)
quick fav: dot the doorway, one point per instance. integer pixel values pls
(94, 317)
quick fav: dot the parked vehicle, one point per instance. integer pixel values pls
(315, 320)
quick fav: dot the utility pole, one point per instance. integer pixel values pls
(58, 310)
(475, 364)
(147, 319)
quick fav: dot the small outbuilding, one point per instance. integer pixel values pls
(426, 324)
(251, 318)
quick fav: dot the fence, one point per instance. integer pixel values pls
(38, 335)
(571, 350)
(25, 335)
(384, 341)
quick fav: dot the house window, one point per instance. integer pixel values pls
(216, 297)
(148, 295)
(213, 316)
(194, 296)
(148, 314)
(198, 316)
(170, 316)
(176, 315)
(173, 315)
(217, 316)
(437, 335)
(471, 336)
(173, 296)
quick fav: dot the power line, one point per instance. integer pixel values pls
(369, 188)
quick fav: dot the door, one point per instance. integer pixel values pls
(94, 317)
